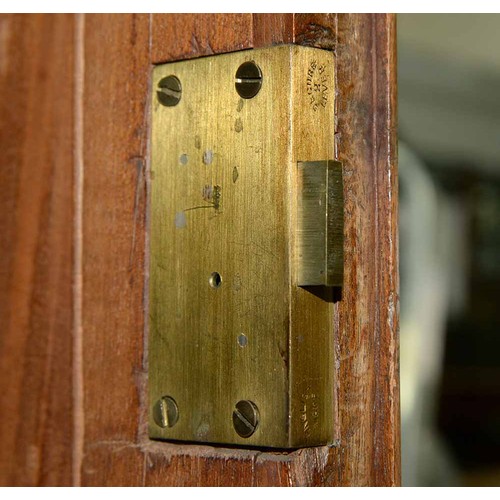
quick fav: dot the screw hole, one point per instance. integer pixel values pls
(242, 340)
(215, 280)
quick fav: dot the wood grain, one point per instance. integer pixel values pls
(272, 29)
(36, 216)
(318, 30)
(176, 37)
(182, 467)
(113, 464)
(115, 131)
(36, 252)
(368, 317)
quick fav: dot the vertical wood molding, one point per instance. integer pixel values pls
(78, 165)
(366, 142)
(36, 219)
(115, 138)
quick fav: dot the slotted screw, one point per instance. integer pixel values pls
(248, 80)
(169, 91)
(245, 418)
(165, 412)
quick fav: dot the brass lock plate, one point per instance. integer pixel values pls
(239, 353)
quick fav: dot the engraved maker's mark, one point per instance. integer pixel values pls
(309, 412)
(317, 88)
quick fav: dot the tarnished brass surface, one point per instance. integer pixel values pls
(228, 321)
(320, 228)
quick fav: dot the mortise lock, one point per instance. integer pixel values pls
(246, 239)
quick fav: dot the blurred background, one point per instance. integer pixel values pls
(449, 161)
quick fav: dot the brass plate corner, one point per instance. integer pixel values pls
(239, 353)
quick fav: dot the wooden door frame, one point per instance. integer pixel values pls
(75, 216)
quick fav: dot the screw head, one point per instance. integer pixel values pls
(245, 418)
(248, 80)
(169, 91)
(165, 412)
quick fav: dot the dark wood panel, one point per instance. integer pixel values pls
(36, 252)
